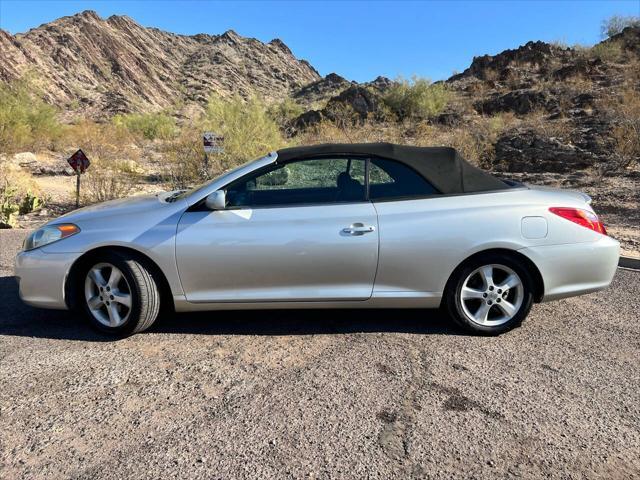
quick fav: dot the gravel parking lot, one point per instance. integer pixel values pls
(322, 394)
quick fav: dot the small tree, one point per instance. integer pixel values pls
(615, 24)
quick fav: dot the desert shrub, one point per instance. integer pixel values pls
(248, 129)
(26, 122)
(475, 141)
(185, 167)
(100, 141)
(107, 181)
(416, 98)
(610, 51)
(615, 24)
(282, 113)
(149, 126)
(368, 132)
(626, 132)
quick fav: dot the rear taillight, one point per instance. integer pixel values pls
(582, 217)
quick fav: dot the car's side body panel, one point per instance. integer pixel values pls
(278, 254)
(575, 269)
(422, 241)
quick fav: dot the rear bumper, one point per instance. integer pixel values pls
(577, 268)
(41, 277)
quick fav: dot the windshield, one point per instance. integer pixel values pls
(187, 193)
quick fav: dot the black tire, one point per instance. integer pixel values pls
(452, 295)
(144, 291)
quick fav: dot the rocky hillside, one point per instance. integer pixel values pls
(104, 66)
(537, 108)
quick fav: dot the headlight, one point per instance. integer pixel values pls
(49, 234)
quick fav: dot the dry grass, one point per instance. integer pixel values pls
(100, 141)
(539, 122)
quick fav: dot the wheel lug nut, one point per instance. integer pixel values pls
(111, 296)
(498, 300)
(491, 288)
(489, 302)
(101, 299)
(108, 289)
(484, 295)
(499, 291)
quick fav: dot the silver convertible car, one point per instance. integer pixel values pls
(325, 226)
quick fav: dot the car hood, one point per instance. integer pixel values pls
(117, 208)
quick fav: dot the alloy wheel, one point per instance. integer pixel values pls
(491, 295)
(108, 295)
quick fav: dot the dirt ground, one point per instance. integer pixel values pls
(316, 394)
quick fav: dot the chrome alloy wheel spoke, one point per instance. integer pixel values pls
(491, 295)
(108, 295)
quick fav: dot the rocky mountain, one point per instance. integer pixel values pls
(104, 66)
(567, 104)
(537, 108)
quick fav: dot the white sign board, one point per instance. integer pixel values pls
(212, 142)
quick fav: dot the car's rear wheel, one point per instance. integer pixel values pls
(490, 294)
(119, 294)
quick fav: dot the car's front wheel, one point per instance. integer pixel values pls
(119, 294)
(490, 294)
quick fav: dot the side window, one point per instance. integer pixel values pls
(313, 181)
(390, 179)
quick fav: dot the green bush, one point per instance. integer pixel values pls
(248, 129)
(285, 111)
(26, 122)
(610, 51)
(417, 98)
(150, 126)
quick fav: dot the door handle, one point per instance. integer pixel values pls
(358, 229)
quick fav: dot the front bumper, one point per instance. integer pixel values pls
(41, 277)
(576, 268)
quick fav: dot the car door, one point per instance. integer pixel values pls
(414, 223)
(301, 231)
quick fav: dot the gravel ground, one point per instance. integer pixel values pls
(304, 394)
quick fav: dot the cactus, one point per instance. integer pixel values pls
(8, 207)
(30, 202)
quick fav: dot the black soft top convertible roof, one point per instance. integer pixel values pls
(442, 166)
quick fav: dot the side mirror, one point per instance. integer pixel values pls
(216, 200)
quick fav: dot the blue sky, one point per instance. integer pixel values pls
(358, 39)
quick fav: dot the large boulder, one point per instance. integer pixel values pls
(530, 151)
(364, 101)
(533, 56)
(307, 119)
(358, 101)
(520, 102)
(321, 90)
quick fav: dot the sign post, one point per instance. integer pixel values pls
(79, 162)
(212, 144)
